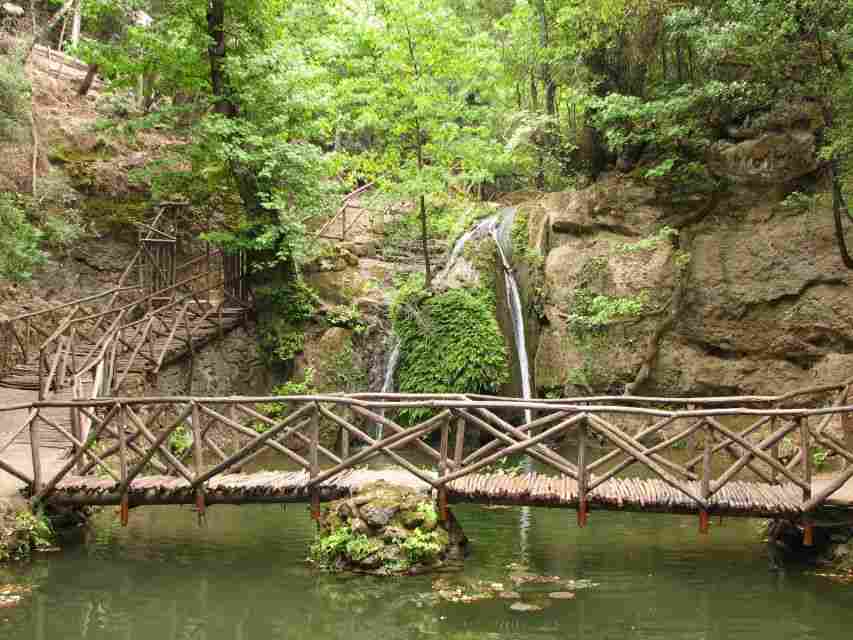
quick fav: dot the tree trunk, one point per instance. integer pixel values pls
(48, 27)
(216, 52)
(88, 80)
(839, 206)
(77, 23)
(545, 70)
(425, 243)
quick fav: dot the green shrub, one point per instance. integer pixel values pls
(422, 546)
(28, 532)
(180, 440)
(14, 98)
(20, 242)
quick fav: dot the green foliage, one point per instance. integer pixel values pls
(294, 302)
(593, 311)
(287, 308)
(348, 317)
(14, 99)
(28, 533)
(327, 548)
(180, 440)
(279, 342)
(20, 242)
(450, 342)
(649, 243)
(342, 542)
(279, 410)
(422, 546)
(820, 457)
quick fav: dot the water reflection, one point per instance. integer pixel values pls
(244, 577)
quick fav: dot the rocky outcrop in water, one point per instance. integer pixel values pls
(386, 530)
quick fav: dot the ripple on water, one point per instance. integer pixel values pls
(243, 576)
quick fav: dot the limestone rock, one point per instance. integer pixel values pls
(373, 533)
(13, 9)
(771, 158)
(619, 206)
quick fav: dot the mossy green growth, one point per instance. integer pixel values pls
(284, 308)
(23, 533)
(450, 343)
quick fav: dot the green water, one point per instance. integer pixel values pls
(243, 577)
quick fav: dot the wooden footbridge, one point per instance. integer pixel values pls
(688, 458)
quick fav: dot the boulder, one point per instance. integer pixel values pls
(374, 532)
(771, 158)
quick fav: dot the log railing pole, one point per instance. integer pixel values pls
(808, 529)
(704, 518)
(198, 458)
(314, 460)
(35, 451)
(775, 452)
(583, 474)
(344, 443)
(122, 453)
(442, 468)
(459, 450)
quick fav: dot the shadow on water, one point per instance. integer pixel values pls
(244, 576)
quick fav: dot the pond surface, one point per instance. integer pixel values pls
(243, 577)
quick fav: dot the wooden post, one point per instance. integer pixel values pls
(313, 459)
(442, 469)
(704, 518)
(344, 444)
(35, 451)
(847, 427)
(344, 223)
(198, 458)
(583, 474)
(459, 450)
(122, 453)
(808, 529)
(775, 452)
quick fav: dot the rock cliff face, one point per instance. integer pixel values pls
(741, 289)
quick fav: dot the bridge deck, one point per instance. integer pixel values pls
(747, 499)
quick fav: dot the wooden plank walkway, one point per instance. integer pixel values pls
(750, 499)
(739, 470)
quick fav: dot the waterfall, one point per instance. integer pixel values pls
(498, 227)
(388, 383)
(515, 309)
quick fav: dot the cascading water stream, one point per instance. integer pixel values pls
(516, 311)
(496, 227)
(483, 227)
(388, 383)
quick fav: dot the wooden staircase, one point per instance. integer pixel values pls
(118, 340)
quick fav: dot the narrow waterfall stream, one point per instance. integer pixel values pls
(496, 226)
(516, 311)
(388, 382)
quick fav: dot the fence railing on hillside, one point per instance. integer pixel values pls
(738, 471)
(119, 328)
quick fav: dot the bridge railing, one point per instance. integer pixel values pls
(733, 470)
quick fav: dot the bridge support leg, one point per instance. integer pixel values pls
(583, 479)
(125, 510)
(808, 535)
(704, 522)
(313, 456)
(582, 512)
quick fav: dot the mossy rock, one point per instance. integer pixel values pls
(386, 529)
